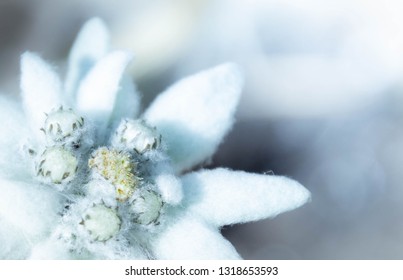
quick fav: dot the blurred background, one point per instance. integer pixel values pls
(322, 102)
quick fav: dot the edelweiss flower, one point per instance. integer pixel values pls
(82, 176)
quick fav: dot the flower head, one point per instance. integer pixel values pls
(116, 167)
(57, 165)
(93, 179)
(61, 125)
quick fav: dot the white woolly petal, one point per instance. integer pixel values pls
(194, 115)
(224, 197)
(13, 131)
(29, 207)
(13, 243)
(127, 102)
(41, 90)
(91, 44)
(190, 238)
(170, 188)
(51, 249)
(98, 91)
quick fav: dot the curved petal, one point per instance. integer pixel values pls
(91, 44)
(29, 207)
(224, 197)
(127, 103)
(13, 243)
(41, 90)
(13, 131)
(190, 238)
(170, 188)
(98, 91)
(194, 115)
(169, 185)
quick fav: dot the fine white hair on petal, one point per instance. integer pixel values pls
(51, 249)
(13, 243)
(41, 90)
(29, 207)
(91, 44)
(195, 114)
(225, 197)
(170, 188)
(98, 91)
(189, 238)
(13, 126)
(127, 103)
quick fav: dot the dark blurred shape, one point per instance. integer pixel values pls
(12, 30)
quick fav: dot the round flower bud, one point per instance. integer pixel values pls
(146, 207)
(101, 222)
(57, 164)
(136, 135)
(116, 167)
(61, 124)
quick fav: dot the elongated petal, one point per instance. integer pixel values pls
(169, 185)
(91, 44)
(29, 207)
(224, 197)
(194, 115)
(13, 132)
(170, 188)
(98, 91)
(190, 238)
(41, 90)
(127, 102)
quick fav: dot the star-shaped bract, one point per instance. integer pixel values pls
(193, 116)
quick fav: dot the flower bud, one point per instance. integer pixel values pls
(136, 135)
(62, 124)
(146, 207)
(101, 222)
(57, 164)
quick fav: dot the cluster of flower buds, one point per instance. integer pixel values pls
(116, 168)
(137, 137)
(57, 164)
